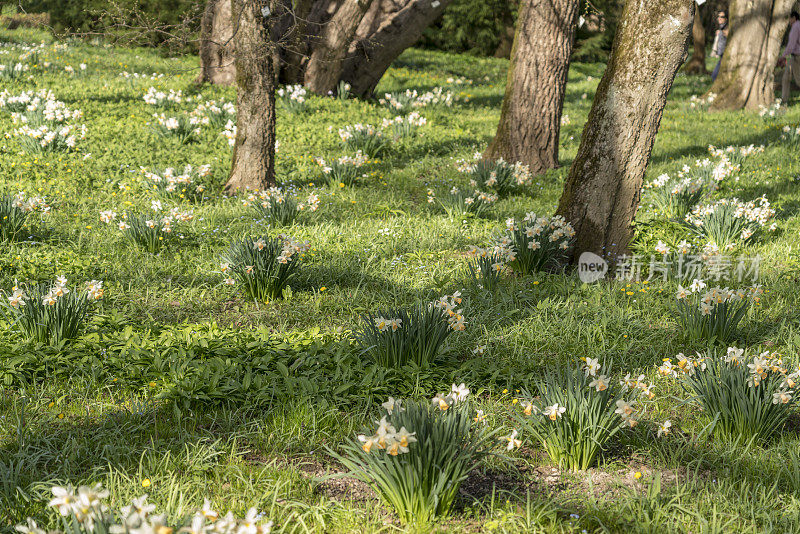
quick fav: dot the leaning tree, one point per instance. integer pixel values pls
(320, 43)
(746, 76)
(530, 120)
(603, 188)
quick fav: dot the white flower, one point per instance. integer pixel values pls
(554, 412)
(664, 428)
(391, 405)
(592, 366)
(512, 440)
(459, 392)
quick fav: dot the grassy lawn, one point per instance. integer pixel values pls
(182, 387)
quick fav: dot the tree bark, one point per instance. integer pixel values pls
(530, 120)
(697, 63)
(216, 45)
(746, 76)
(370, 57)
(325, 64)
(253, 164)
(602, 192)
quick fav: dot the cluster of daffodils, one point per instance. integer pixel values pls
(402, 126)
(498, 174)
(683, 184)
(173, 124)
(275, 196)
(534, 241)
(48, 139)
(470, 199)
(213, 112)
(229, 132)
(49, 110)
(86, 510)
(69, 69)
(708, 300)
(182, 184)
(771, 111)
(349, 132)
(12, 70)
(296, 93)
(411, 99)
(449, 304)
(736, 154)
(292, 97)
(748, 217)
(154, 97)
(791, 134)
(19, 103)
(158, 221)
(18, 298)
(351, 163)
(702, 102)
(386, 437)
(142, 76)
(23, 202)
(745, 395)
(710, 172)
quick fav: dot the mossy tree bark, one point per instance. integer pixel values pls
(697, 63)
(603, 188)
(216, 44)
(326, 61)
(369, 57)
(253, 164)
(530, 120)
(746, 75)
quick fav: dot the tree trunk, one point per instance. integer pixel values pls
(746, 76)
(253, 164)
(370, 57)
(697, 63)
(601, 193)
(216, 45)
(325, 64)
(530, 121)
(507, 35)
(290, 33)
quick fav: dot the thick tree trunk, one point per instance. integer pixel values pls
(370, 57)
(530, 121)
(325, 64)
(290, 33)
(601, 193)
(253, 164)
(746, 76)
(697, 63)
(216, 45)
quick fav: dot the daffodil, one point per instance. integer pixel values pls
(600, 383)
(512, 440)
(592, 366)
(554, 412)
(664, 428)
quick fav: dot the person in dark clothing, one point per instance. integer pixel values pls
(720, 41)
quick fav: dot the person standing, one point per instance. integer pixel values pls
(720, 41)
(791, 59)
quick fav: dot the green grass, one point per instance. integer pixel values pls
(183, 381)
